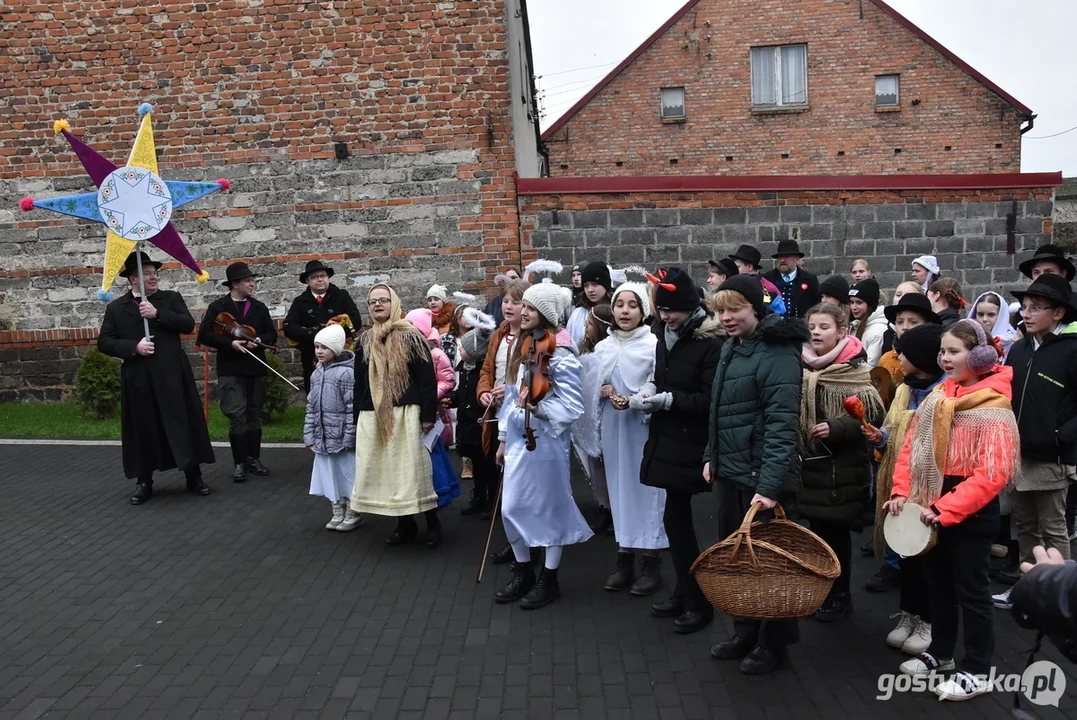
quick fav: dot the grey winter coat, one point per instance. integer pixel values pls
(330, 423)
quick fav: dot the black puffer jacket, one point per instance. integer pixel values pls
(836, 472)
(1045, 396)
(469, 412)
(673, 455)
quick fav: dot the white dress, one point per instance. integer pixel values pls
(585, 433)
(577, 324)
(536, 501)
(626, 361)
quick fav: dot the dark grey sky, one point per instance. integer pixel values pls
(1021, 45)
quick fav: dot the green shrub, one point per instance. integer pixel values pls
(278, 394)
(97, 385)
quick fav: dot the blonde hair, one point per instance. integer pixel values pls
(860, 261)
(729, 300)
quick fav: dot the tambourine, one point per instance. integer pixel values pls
(906, 535)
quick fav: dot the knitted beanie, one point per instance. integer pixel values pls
(596, 272)
(866, 290)
(550, 300)
(920, 346)
(475, 343)
(438, 291)
(749, 287)
(837, 287)
(332, 337)
(680, 296)
(640, 291)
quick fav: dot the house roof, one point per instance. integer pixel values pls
(915, 29)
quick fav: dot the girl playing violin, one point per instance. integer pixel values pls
(537, 504)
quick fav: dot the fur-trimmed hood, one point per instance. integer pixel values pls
(773, 330)
(711, 327)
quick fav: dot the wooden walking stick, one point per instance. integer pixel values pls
(490, 532)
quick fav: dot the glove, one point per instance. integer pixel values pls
(654, 403)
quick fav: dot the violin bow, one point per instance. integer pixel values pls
(269, 368)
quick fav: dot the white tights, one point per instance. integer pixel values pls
(522, 553)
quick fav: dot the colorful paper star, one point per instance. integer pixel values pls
(133, 202)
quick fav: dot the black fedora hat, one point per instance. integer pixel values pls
(1054, 288)
(130, 265)
(314, 266)
(237, 271)
(787, 247)
(913, 302)
(725, 266)
(748, 254)
(1052, 253)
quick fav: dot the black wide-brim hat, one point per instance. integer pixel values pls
(787, 247)
(130, 265)
(725, 266)
(748, 254)
(1054, 254)
(312, 267)
(237, 271)
(1054, 288)
(913, 302)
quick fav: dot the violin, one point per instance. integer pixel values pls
(226, 324)
(536, 351)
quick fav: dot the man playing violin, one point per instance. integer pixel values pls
(162, 424)
(312, 309)
(241, 379)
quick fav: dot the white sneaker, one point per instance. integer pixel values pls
(905, 627)
(962, 686)
(338, 516)
(919, 641)
(925, 664)
(1002, 600)
(351, 521)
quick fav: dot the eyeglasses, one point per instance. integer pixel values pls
(378, 301)
(1035, 309)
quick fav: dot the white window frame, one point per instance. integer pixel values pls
(662, 103)
(897, 102)
(777, 49)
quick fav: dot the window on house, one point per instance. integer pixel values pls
(780, 75)
(886, 90)
(673, 103)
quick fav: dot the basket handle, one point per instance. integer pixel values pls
(744, 533)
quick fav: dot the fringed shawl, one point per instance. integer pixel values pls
(825, 392)
(389, 347)
(958, 435)
(897, 426)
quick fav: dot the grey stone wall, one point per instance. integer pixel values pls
(968, 237)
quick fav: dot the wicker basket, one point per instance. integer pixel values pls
(767, 571)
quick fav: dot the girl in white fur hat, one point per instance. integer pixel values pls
(329, 427)
(537, 504)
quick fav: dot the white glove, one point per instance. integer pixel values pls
(654, 403)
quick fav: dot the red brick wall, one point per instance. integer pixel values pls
(722, 135)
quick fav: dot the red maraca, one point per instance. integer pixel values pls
(855, 408)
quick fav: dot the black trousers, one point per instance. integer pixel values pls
(840, 540)
(192, 474)
(956, 570)
(242, 398)
(734, 500)
(485, 472)
(683, 548)
(915, 596)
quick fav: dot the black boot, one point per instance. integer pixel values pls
(195, 486)
(502, 556)
(477, 504)
(835, 608)
(603, 522)
(433, 529)
(762, 660)
(692, 621)
(239, 456)
(626, 569)
(651, 578)
(254, 452)
(734, 648)
(523, 579)
(406, 530)
(671, 608)
(546, 590)
(143, 493)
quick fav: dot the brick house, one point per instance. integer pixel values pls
(382, 137)
(781, 87)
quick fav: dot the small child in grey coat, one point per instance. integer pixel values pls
(329, 427)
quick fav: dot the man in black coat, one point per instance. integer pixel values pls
(162, 425)
(799, 288)
(241, 380)
(311, 311)
(686, 357)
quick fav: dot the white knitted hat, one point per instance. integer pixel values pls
(928, 262)
(332, 337)
(640, 290)
(438, 291)
(550, 300)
